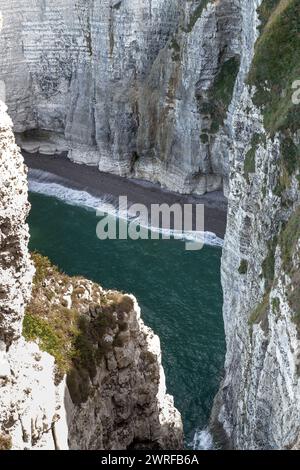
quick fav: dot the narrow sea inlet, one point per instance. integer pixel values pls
(179, 293)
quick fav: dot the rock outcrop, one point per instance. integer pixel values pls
(116, 393)
(78, 367)
(139, 88)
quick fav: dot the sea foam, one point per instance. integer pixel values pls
(203, 440)
(45, 183)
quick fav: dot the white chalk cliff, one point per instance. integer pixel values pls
(29, 399)
(196, 95)
(258, 404)
(123, 84)
(124, 402)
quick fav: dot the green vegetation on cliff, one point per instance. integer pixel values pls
(274, 70)
(75, 335)
(268, 266)
(249, 163)
(265, 11)
(220, 94)
(174, 45)
(197, 14)
(276, 64)
(243, 268)
(289, 243)
(260, 313)
(48, 321)
(289, 238)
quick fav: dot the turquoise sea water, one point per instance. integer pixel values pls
(179, 293)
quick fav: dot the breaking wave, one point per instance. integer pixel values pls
(203, 440)
(48, 184)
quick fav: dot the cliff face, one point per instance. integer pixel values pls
(190, 94)
(29, 398)
(86, 372)
(258, 404)
(15, 266)
(138, 88)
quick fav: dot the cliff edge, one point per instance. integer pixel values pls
(78, 367)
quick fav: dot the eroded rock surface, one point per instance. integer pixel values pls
(258, 404)
(137, 87)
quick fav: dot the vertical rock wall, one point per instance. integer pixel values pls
(258, 404)
(138, 88)
(15, 267)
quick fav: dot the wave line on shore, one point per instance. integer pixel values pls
(45, 183)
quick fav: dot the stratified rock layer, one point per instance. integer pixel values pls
(130, 86)
(258, 404)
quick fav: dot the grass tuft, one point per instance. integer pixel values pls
(276, 64)
(220, 94)
(78, 337)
